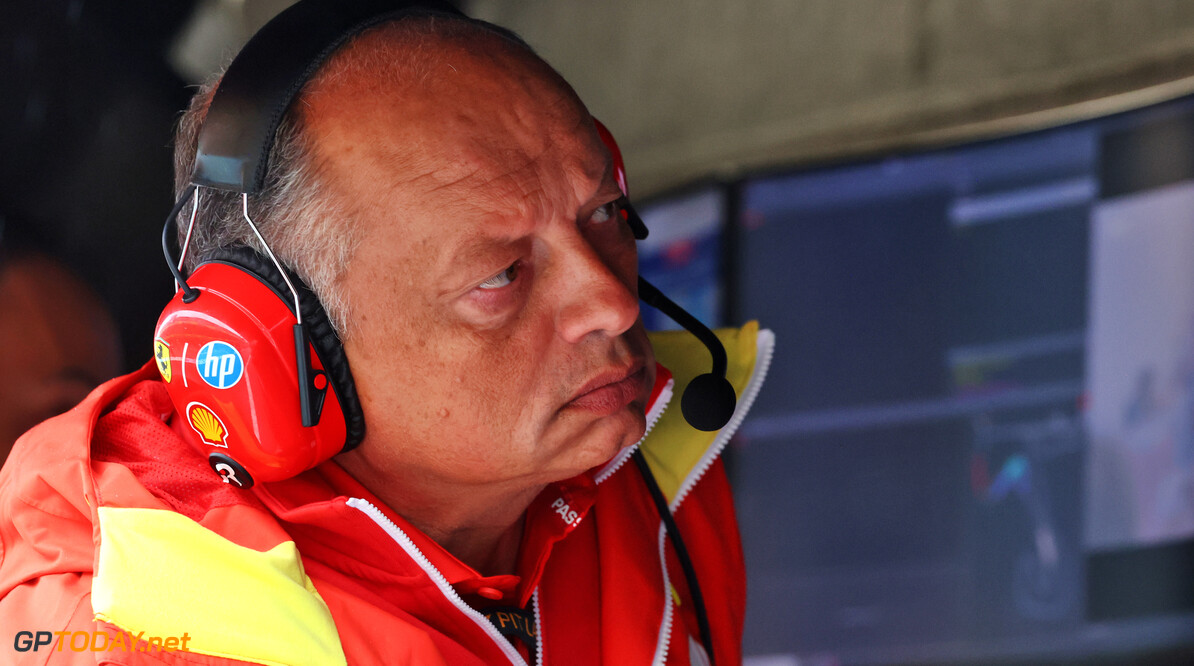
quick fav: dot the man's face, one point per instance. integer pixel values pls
(494, 325)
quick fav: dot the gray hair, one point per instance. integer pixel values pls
(309, 229)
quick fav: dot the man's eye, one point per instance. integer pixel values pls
(501, 279)
(605, 213)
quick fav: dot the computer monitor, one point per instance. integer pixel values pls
(683, 254)
(977, 440)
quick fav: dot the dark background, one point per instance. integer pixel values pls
(86, 117)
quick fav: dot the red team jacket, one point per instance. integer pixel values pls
(119, 546)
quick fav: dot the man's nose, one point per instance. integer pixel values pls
(595, 298)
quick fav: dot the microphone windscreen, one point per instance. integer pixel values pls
(708, 402)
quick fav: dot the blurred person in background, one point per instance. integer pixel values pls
(57, 339)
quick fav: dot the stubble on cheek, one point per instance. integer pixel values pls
(509, 388)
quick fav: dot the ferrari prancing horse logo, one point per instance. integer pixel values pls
(161, 353)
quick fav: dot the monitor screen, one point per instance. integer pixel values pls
(977, 440)
(683, 253)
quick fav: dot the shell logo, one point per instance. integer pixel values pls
(209, 426)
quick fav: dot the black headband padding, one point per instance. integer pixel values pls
(268, 73)
(319, 331)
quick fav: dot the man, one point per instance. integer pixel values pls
(451, 203)
(57, 341)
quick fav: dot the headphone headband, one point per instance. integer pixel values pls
(268, 73)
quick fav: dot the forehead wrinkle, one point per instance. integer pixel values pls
(507, 183)
(560, 170)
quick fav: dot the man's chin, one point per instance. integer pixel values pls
(599, 440)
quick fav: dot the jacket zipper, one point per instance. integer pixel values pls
(665, 629)
(445, 588)
(765, 347)
(538, 628)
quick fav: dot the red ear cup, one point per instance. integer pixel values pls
(619, 166)
(228, 360)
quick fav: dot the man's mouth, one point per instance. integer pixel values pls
(610, 391)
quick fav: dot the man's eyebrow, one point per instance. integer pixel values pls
(478, 248)
(463, 256)
(608, 189)
(609, 180)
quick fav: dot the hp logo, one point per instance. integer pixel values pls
(219, 364)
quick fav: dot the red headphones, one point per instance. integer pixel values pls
(228, 359)
(247, 352)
